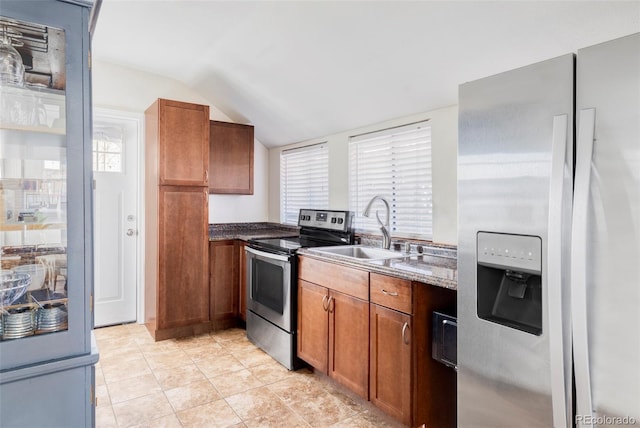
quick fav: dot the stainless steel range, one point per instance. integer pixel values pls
(272, 280)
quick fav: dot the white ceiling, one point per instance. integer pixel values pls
(298, 70)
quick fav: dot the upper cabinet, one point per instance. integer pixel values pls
(231, 158)
(183, 130)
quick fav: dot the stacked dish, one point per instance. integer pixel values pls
(51, 317)
(17, 322)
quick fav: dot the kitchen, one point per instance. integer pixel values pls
(118, 87)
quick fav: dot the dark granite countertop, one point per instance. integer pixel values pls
(246, 231)
(436, 268)
(437, 265)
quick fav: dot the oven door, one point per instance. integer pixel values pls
(269, 285)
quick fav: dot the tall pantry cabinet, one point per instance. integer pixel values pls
(176, 216)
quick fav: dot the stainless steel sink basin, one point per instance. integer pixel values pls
(360, 252)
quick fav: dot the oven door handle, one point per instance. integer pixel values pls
(267, 255)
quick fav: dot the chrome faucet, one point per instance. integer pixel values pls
(384, 227)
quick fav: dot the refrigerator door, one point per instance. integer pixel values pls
(513, 354)
(606, 234)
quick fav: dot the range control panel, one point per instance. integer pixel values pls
(325, 219)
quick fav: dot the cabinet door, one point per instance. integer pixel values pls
(183, 289)
(223, 272)
(390, 377)
(230, 158)
(349, 342)
(184, 143)
(242, 282)
(313, 325)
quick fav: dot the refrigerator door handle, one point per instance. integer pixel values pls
(558, 192)
(584, 145)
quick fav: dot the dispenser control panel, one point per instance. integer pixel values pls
(506, 251)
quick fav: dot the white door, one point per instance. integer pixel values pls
(116, 141)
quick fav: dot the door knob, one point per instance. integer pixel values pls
(131, 232)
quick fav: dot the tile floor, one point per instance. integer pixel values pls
(214, 380)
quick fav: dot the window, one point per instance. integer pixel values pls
(107, 147)
(394, 163)
(304, 181)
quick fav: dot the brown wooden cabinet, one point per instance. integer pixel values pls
(231, 158)
(333, 322)
(223, 280)
(242, 281)
(184, 134)
(405, 381)
(176, 219)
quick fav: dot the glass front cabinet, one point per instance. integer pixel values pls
(47, 351)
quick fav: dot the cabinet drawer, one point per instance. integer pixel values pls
(394, 293)
(353, 282)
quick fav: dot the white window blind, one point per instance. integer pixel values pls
(304, 181)
(396, 164)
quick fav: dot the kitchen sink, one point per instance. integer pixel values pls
(360, 252)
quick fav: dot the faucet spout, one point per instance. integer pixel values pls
(384, 227)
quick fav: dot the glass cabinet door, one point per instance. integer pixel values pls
(45, 282)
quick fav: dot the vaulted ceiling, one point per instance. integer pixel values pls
(298, 70)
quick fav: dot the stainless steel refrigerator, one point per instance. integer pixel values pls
(549, 242)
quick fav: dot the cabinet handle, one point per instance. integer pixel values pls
(331, 308)
(325, 306)
(405, 327)
(206, 175)
(390, 293)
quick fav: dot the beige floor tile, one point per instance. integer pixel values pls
(109, 359)
(238, 345)
(135, 328)
(235, 382)
(216, 366)
(105, 417)
(229, 334)
(141, 410)
(297, 388)
(204, 350)
(284, 419)
(117, 346)
(178, 376)
(215, 414)
(169, 421)
(102, 395)
(125, 369)
(368, 419)
(167, 360)
(252, 358)
(255, 403)
(270, 372)
(99, 376)
(116, 331)
(192, 395)
(133, 387)
(155, 347)
(323, 410)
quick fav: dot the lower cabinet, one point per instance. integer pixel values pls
(405, 381)
(333, 326)
(372, 333)
(223, 283)
(391, 349)
(242, 280)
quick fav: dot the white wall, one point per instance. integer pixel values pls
(444, 138)
(121, 88)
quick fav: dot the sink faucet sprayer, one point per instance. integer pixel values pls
(384, 228)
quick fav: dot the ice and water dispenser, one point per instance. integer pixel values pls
(509, 287)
